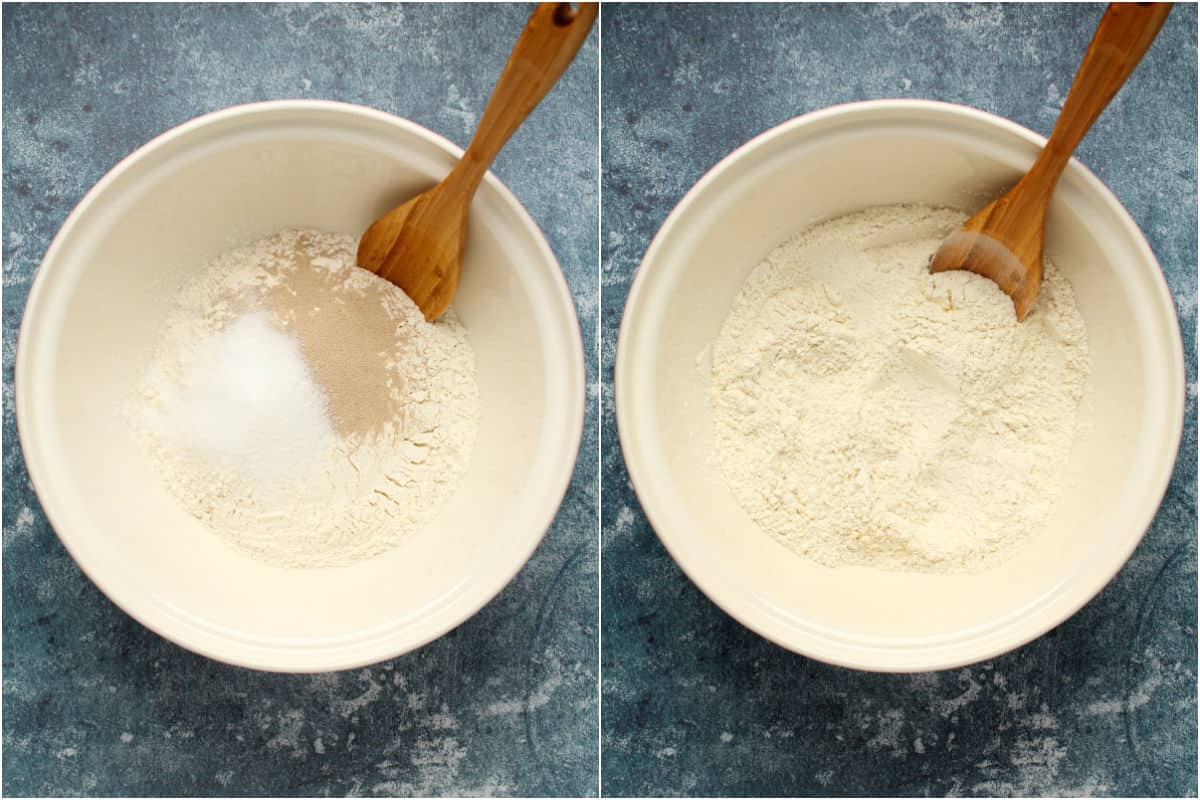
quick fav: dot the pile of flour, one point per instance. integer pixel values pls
(866, 412)
(303, 408)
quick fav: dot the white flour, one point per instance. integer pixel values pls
(303, 408)
(867, 412)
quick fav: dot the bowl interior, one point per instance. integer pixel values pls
(90, 329)
(819, 167)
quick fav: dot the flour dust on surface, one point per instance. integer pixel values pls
(866, 412)
(302, 408)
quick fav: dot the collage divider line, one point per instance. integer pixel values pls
(599, 402)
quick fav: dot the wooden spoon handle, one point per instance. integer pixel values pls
(1122, 38)
(544, 50)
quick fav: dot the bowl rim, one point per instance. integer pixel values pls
(736, 603)
(357, 651)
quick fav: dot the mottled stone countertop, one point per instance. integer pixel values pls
(693, 703)
(96, 704)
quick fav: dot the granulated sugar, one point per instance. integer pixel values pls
(867, 412)
(303, 408)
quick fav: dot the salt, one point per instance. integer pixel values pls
(249, 403)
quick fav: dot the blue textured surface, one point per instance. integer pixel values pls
(695, 704)
(96, 704)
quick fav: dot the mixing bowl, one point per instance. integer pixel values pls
(102, 293)
(822, 165)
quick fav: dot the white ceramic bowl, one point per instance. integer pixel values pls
(102, 293)
(821, 165)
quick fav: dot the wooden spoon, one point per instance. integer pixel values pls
(419, 245)
(1004, 241)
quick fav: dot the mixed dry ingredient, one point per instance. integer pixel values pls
(866, 412)
(303, 408)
